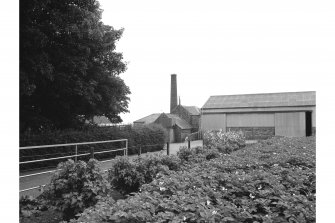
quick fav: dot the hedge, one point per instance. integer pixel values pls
(150, 137)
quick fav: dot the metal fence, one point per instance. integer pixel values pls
(76, 155)
(195, 136)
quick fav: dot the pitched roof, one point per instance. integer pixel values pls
(262, 100)
(149, 119)
(179, 121)
(193, 110)
(101, 120)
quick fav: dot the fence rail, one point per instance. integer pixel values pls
(124, 149)
(195, 136)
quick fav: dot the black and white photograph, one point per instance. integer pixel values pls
(168, 111)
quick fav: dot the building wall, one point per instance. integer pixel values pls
(253, 125)
(165, 121)
(261, 125)
(213, 122)
(291, 124)
(171, 135)
(250, 120)
(180, 134)
(182, 113)
(195, 121)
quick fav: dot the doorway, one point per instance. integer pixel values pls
(308, 123)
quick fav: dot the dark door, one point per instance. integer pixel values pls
(308, 123)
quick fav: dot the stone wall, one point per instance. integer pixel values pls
(182, 113)
(255, 132)
(195, 121)
(180, 134)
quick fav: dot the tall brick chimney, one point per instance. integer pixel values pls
(173, 99)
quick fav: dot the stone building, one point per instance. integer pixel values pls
(180, 122)
(261, 116)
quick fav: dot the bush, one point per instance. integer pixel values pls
(197, 154)
(76, 186)
(143, 135)
(225, 142)
(127, 177)
(237, 187)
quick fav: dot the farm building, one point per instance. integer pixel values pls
(180, 122)
(261, 116)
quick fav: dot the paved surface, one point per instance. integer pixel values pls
(32, 181)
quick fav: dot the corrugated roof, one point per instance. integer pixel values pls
(193, 110)
(262, 100)
(179, 121)
(149, 119)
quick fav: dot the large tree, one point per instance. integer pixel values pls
(69, 70)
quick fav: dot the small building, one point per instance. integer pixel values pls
(180, 122)
(261, 116)
(178, 129)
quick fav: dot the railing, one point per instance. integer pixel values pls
(76, 155)
(195, 136)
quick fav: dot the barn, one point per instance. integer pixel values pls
(261, 116)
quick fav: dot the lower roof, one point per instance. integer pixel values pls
(148, 119)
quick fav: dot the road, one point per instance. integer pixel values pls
(41, 179)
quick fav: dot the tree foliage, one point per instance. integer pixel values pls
(69, 70)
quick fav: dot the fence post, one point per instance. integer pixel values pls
(76, 153)
(127, 147)
(92, 152)
(139, 151)
(168, 148)
(189, 144)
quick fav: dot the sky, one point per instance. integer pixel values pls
(219, 48)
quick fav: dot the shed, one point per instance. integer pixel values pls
(261, 116)
(177, 127)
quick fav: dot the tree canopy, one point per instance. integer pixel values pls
(69, 70)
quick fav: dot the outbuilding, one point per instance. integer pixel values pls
(262, 116)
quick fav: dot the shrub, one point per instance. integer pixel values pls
(197, 154)
(225, 142)
(236, 187)
(30, 206)
(76, 186)
(123, 175)
(127, 176)
(143, 135)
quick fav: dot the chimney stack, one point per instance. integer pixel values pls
(173, 99)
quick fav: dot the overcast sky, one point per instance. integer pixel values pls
(220, 47)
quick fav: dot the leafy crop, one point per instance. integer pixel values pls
(127, 176)
(76, 186)
(273, 181)
(225, 142)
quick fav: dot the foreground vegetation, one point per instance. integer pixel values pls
(272, 181)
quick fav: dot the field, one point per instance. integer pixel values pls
(271, 181)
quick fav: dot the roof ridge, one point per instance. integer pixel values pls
(264, 93)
